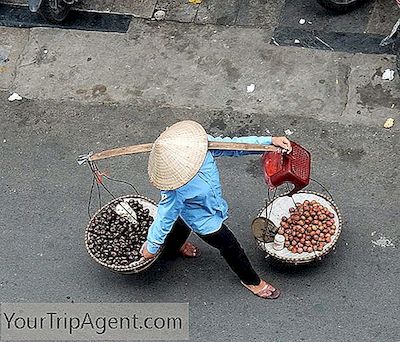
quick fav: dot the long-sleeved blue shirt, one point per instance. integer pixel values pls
(199, 202)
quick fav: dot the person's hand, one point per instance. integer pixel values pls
(282, 142)
(145, 253)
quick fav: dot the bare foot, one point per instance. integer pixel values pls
(189, 250)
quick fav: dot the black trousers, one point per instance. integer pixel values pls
(224, 241)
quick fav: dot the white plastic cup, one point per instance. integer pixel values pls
(279, 242)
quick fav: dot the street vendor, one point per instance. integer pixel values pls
(183, 168)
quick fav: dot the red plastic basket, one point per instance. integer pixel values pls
(294, 167)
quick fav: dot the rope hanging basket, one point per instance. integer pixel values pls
(122, 210)
(278, 208)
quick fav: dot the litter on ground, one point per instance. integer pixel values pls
(14, 96)
(159, 15)
(383, 242)
(274, 41)
(388, 75)
(250, 88)
(288, 132)
(389, 123)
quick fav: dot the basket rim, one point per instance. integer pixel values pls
(130, 268)
(313, 256)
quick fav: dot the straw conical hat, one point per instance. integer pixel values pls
(177, 155)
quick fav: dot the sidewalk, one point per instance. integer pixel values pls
(231, 12)
(376, 17)
(185, 66)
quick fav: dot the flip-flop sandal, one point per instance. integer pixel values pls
(189, 250)
(267, 292)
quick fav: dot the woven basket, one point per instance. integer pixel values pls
(279, 207)
(136, 266)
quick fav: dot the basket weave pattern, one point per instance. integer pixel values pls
(293, 258)
(136, 266)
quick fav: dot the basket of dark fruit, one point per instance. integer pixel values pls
(118, 230)
(308, 224)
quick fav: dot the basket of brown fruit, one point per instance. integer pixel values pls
(118, 230)
(308, 223)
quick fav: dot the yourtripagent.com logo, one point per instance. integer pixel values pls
(89, 321)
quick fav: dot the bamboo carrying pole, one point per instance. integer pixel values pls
(212, 145)
(121, 151)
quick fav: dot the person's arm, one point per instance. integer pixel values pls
(168, 211)
(282, 142)
(264, 140)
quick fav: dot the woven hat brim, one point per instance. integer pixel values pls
(177, 155)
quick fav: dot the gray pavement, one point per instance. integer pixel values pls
(140, 8)
(352, 295)
(204, 67)
(87, 91)
(376, 17)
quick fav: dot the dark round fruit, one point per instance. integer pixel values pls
(115, 240)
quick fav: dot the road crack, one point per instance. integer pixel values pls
(346, 76)
(19, 60)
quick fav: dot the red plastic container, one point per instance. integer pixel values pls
(292, 168)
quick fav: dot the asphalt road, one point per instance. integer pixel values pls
(352, 295)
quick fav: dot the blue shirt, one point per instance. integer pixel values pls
(199, 202)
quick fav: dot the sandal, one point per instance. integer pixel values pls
(189, 250)
(267, 292)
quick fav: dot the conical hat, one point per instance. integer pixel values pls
(177, 155)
